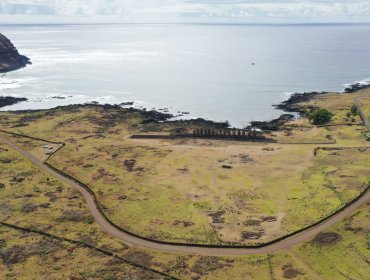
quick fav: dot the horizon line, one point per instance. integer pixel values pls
(188, 23)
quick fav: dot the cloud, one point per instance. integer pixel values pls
(188, 10)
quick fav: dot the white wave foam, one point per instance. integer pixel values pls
(363, 82)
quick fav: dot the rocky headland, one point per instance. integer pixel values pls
(10, 59)
(9, 100)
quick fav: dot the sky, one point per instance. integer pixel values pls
(183, 11)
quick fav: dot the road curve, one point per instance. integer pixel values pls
(136, 241)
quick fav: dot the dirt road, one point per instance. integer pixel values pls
(138, 241)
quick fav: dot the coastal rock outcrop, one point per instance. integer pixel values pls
(274, 124)
(356, 87)
(290, 105)
(9, 100)
(10, 59)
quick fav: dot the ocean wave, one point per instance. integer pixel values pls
(363, 82)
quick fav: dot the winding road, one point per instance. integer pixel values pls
(137, 241)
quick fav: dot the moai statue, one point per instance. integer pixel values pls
(254, 134)
(249, 133)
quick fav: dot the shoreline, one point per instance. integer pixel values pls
(288, 106)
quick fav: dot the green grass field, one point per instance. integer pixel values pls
(164, 192)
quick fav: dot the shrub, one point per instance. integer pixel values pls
(320, 116)
(354, 111)
(90, 220)
(367, 136)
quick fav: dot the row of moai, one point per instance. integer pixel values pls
(227, 133)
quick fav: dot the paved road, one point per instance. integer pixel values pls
(202, 250)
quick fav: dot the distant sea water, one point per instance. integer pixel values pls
(218, 72)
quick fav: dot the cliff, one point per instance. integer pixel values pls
(10, 59)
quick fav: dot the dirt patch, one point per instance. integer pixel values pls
(44, 205)
(129, 164)
(193, 197)
(72, 216)
(227, 167)
(20, 253)
(52, 196)
(184, 223)
(252, 223)
(217, 217)
(327, 238)
(100, 173)
(178, 265)
(269, 219)
(245, 158)
(17, 179)
(290, 272)
(28, 208)
(95, 136)
(140, 258)
(185, 169)
(251, 235)
(204, 265)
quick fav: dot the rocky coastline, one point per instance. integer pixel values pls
(274, 124)
(9, 100)
(352, 88)
(291, 106)
(10, 59)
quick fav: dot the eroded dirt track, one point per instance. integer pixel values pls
(134, 240)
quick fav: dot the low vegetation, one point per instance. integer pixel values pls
(320, 116)
(153, 188)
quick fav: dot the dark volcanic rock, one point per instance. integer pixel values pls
(289, 105)
(273, 124)
(8, 100)
(356, 87)
(10, 59)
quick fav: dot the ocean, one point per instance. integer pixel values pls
(218, 72)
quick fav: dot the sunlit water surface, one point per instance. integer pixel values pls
(219, 72)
